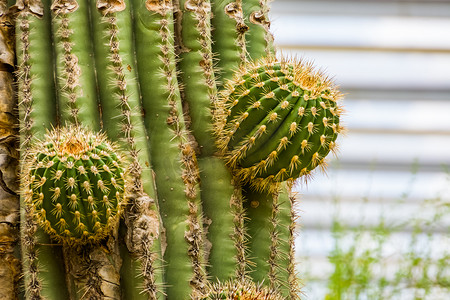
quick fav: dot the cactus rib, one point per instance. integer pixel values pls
(123, 123)
(75, 73)
(220, 198)
(37, 111)
(173, 159)
(228, 34)
(259, 39)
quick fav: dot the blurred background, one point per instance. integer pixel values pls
(376, 226)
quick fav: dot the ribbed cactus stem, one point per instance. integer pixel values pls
(37, 107)
(260, 229)
(223, 213)
(274, 242)
(173, 159)
(283, 262)
(197, 74)
(294, 284)
(228, 34)
(271, 225)
(75, 73)
(260, 39)
(199, 93)
(141, 274)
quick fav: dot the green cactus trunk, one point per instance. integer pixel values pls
(37, 112)
(164, 172)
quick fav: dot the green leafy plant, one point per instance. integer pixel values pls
(388, 259)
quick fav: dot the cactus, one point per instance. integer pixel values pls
(278, 121)
(246, 289)
(208, 210)
(75, 185)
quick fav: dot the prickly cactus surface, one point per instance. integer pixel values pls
(75, 184)
(277, 121)
(245, 290)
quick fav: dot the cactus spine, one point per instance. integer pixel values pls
(35, 95)
(75, 185)
(280, 121)
(156, 76)
(173, 158)
(122, 121)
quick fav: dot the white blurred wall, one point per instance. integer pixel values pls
(392, 59)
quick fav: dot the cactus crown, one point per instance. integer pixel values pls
(75, 184)
(276, 121)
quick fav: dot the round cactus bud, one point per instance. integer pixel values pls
(246, 290)
(277, 121)
(75, 184)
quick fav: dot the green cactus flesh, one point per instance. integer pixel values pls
(240, 290)
(75, 185)
(277, 121)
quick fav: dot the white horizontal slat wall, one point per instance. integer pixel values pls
(392, 59)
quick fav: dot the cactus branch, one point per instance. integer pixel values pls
(259, 39)
(123, 123)
(173, 158)
(77, 93)
(228, 34)
(37, 112)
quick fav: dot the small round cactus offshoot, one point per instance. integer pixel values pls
(75, 184)
(277, 120)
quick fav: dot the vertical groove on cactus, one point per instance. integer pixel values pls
(286, 278)
(37, 111)
(259, 211)
(176, 173)
(145, 245)
(194, 235)
(197, 118)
